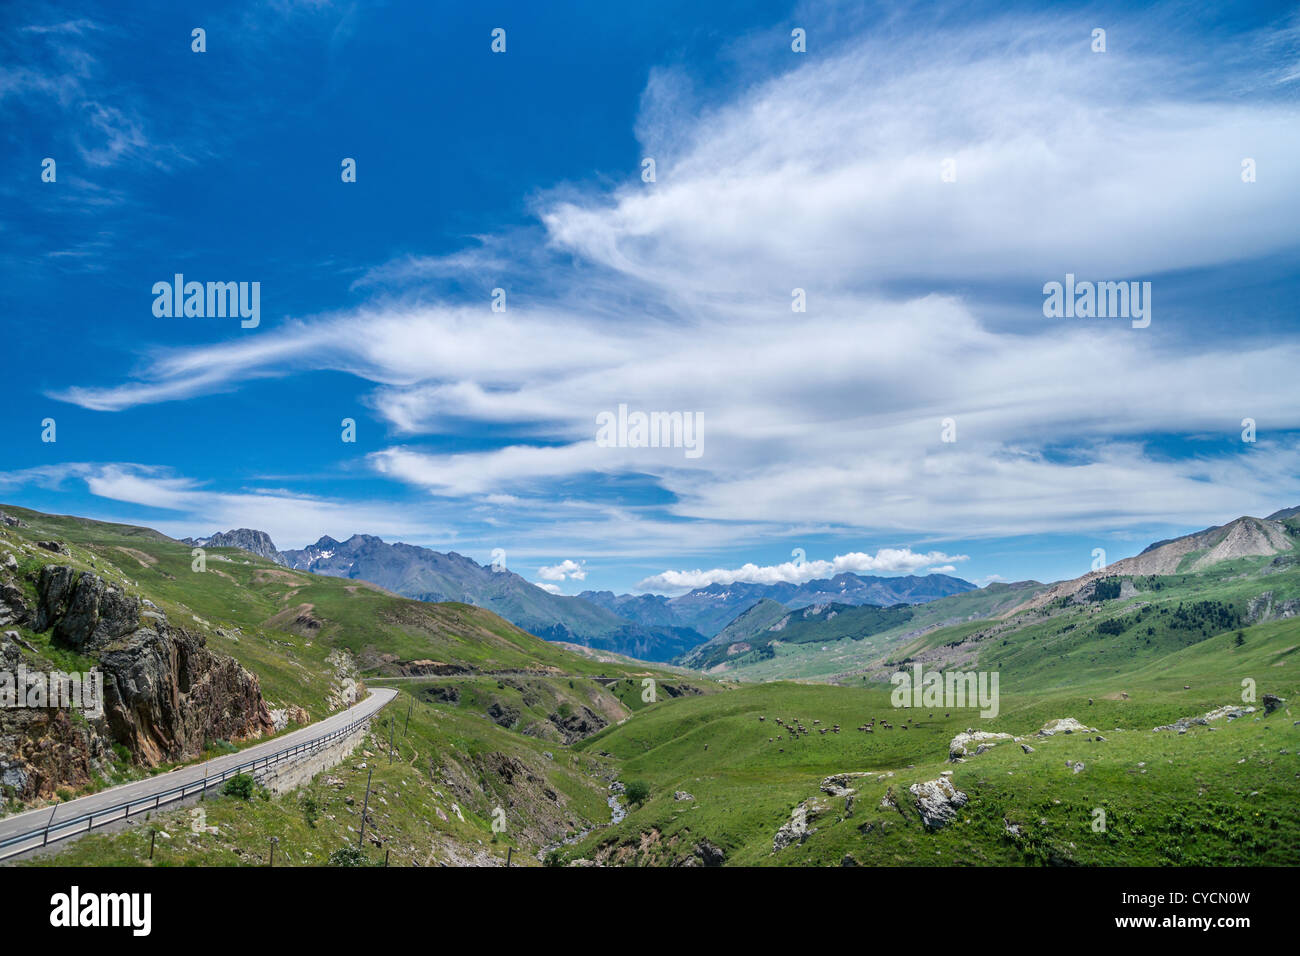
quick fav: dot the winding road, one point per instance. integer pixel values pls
(28, 830)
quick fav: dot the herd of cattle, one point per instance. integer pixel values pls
(796, 729)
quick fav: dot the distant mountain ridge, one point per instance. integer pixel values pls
(428, 575)
(710, 609)
(769, 621)
(651, 627)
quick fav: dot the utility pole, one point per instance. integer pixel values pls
(362, 832)
(409, 707)
(271, 860)
(153, 835)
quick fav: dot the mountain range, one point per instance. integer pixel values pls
(650, 627)
(725, 624)
(710, 609)
(770, 641)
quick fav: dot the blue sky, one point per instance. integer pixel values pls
(774, 171)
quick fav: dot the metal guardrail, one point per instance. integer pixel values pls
(84, 823)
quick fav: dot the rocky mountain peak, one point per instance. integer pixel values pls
(247, 539)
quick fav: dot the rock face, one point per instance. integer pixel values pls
(165, 693)
(13, 608)
(1265, 607)
(43, 750)
(937, 801)
(85, 613)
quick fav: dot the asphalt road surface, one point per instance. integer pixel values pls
(142, 790)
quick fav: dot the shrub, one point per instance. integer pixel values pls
(241, 785)
(310, 809)
(638, 792)
(347, 856)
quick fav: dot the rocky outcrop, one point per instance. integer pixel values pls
(43, 750)
(442, 694)
(578, 723)
(1230, 711)
(428, 668)
(796, 829)
(837, 785)
(282, 717)
(937, 801)
(345, 685)
(165, 693)
(84, 612)
(1064, 725)
(957, 746)
(1265, 607)
(13, 605)
(503, 715)
(709, 854)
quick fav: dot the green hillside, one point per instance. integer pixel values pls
(816, 772)
(1234, 788)
(492, 708)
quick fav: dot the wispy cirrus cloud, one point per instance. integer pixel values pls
(676, 295)
(292, 519)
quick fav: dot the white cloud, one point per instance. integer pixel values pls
(292, 520)
(566, 569)
(886, 560)
(828, 175)
(548, 588)
(827, 178)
